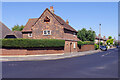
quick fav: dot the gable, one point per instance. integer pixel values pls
(29, 24)
(32, 22)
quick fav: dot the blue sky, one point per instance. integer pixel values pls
(80, 14)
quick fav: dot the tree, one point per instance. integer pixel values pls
(18, 28)
(110, 37)
(110, 42)
(86, 35)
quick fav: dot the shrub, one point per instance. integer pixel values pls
(80, 43)
(85, 43)
(96, 46)
(30, 43)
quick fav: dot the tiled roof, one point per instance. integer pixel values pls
(18, 34)
(4, 30)
(32, 22)
(29, 24)
(62, 22)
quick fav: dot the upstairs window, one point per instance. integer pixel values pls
(46, 19)
(47, 32)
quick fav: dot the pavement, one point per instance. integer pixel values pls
(46, 56)
(99, 65)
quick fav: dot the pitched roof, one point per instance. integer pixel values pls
(65, 25)
(4, 30)
(32, 22)
(29, 24)
(18, 34)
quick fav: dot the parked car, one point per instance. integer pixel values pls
(117, 46)
(103, 48)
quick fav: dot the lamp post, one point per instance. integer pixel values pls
(99, 34)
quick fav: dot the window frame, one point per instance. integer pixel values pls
(46, 32)
(74, 45)
(29, 34)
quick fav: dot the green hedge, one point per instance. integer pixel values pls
(31, 43)
(85, 43)
(96, 46)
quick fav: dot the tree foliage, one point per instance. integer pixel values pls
(110, 37)
(110, 42)
(18, 28)
(86, 35)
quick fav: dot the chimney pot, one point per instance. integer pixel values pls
(67, 21)
(51, 9)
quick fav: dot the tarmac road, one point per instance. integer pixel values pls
(100, 65)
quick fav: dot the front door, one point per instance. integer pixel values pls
(70, 46)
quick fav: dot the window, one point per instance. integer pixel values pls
(29, 34)
(46, 19)
(74, 34)
(74, 45)
(47, 32)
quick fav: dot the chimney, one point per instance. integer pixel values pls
(104, 37)
(99, 35)
(67, 21)
(51, 9)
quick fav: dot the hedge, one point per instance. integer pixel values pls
(85, 43)
(96, 46)
(31, 43)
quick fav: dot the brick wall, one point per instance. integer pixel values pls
(70, 46)
(86, 48)
(54, 26)
(35, 51)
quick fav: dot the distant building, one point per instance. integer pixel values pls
(5, 32)
(103, 40)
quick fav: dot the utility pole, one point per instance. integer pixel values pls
(99, 34)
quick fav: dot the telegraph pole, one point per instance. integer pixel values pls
(99, 34)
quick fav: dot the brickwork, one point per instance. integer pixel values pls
(70, 46)
(35, 51)
(26, 36)
(86, 48)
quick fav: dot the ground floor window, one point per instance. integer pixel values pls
(74, 46)
(29, 34)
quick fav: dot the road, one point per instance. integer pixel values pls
(100, 65)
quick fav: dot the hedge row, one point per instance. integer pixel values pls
(30, 43)
(85, 43)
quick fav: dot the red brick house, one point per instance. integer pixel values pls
(51, 26)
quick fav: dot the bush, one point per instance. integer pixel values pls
(85, 43)
(96, 46)
(31, 43)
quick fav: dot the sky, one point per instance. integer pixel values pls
(80, 14)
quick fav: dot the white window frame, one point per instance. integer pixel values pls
(74, 34)
(47, 32)
(29, 34)
(74, 45)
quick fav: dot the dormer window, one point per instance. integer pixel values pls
(46, 19)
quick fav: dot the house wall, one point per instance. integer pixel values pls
(55, 27)
(86, 48)
(70, 35)
(25, 36)
(69, 46)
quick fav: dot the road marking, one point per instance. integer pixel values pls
(106, 54)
